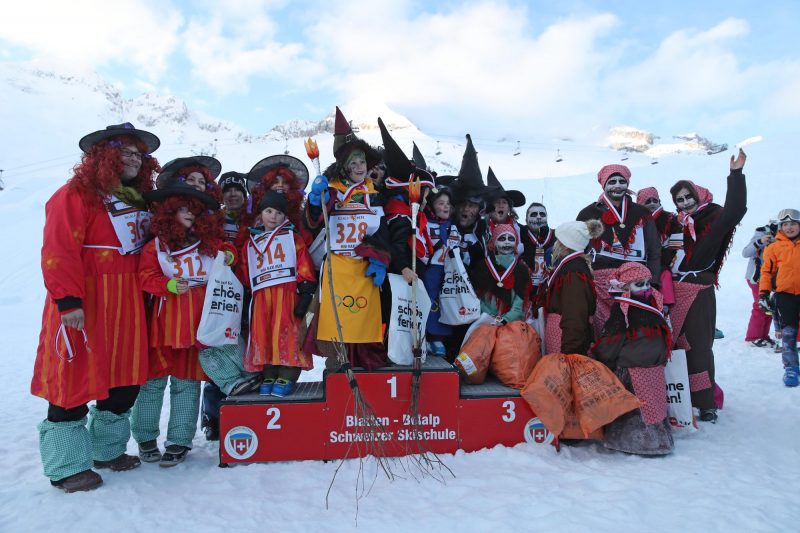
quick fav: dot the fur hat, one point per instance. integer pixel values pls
(275, 200)
(126, 128)
(233, 179)
(577, 234)
(610, 170)
(645, 194)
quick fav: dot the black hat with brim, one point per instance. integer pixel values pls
(233, 179)
(399, 168)
(515, 198)
(169, 171)
(262, 167)
(150, 140)
(179, 189)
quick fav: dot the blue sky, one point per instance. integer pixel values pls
(530, 70)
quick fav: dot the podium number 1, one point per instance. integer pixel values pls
(392, 381)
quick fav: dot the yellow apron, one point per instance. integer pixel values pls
(358, 302)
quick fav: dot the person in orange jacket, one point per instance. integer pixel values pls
(95, 227)
(781, 273)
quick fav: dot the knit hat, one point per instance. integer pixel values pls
(275, 200)
(501, 229)
(577, 234)
(645, 194)
(237, 180)
(609, 170)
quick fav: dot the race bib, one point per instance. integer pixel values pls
(442, 243)
(636, 251)
(131, 224)
(350, 224)
(271, 259)
(188, 264)
(231, 230)
(539, 267)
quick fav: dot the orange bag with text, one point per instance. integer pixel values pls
(517, 349)
(473, 359)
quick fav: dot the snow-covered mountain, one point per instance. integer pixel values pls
(630, 139)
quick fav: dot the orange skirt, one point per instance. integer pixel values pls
(114, 353)
(274, 337)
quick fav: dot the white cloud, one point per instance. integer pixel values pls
(139, 33)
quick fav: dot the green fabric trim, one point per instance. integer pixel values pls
(130, 196)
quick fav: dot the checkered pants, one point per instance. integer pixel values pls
(224, 365)
(184, 402)
(65, 448)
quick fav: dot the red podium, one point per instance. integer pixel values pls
(317, 421)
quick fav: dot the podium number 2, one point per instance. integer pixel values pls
(510, 415)
(392, 381)
(275, 413)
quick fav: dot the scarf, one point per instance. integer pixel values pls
(130, 196)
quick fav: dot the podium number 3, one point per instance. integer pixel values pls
(510, 415)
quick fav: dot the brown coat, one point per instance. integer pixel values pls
(572, 295)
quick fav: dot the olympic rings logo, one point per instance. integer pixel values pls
(352, 304)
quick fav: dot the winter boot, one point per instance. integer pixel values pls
(210, 428)
(790, 376)
(80, 482)
(708, 415)
(66, 451)
(247, 385)
(265, 389)
(110, 433)
(149, 452)
(173, 454)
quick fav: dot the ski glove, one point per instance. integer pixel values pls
(318, 187)
(377, 270)
(763, 303)
(305, 291)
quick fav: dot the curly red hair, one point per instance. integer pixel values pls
(292, 189)
(206, 227)
(97, 175)
(211, 186)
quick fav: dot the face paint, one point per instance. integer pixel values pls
(616, 187)
(640, 287)
(685, 202)
(536, 217)
(506, 244)
(652, 204)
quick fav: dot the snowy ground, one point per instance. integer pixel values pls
(735, 475)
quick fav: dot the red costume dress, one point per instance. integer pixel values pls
(272, 264)
(90, 252)
(174, 318)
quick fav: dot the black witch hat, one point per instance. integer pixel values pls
(178, 188)
(169, 171)
(515, 198)
(400, 170)
(280, 160)
(345, 142)
(151, 141)
(468, 185)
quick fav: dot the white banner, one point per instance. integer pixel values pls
(679, 397)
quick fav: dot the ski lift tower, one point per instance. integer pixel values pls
(2, 184)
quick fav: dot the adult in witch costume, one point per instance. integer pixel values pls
(629, 234)
(198, 171)
(665, 224)
(500, 209)
(352, 202)
(707, 234)
(537, 240)
(571, 297)
(95, 227)
(635, 343)
(175, 267)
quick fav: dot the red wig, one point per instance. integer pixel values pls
(99, 171)
(292, 189)
(212, 189)
(206, 225)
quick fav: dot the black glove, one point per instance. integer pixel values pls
(763, 303)
(306, 291)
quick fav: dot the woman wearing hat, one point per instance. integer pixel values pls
(501, 204)
(175, 267)
(571, 298)
(198, 171)
(353, 204)
(701, 247)
(635, 343)
(629, 234)
(95, 227)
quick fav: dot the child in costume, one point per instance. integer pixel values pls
(278, 268)
(635, 343)
(174, 268)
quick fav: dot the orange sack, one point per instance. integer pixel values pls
(473, 359)
(517, 349)
(574, 396)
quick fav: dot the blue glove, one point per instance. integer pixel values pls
(319, 186)
(377, 270)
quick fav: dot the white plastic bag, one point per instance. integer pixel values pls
(399, 345)
(538, 323)
(458, 303)
(679, 397)
(221, 321)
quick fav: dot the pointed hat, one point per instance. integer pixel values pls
(515, 198)
(399, 168)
